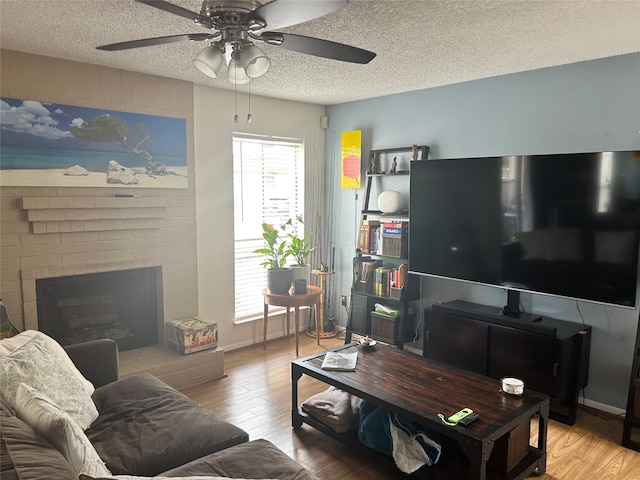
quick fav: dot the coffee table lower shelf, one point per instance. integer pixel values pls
(451, 466)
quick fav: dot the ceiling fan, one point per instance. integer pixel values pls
(236, 24)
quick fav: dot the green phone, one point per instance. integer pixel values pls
(456, 417)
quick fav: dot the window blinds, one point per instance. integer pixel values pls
(268, 186)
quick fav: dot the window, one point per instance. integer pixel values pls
(268, 186)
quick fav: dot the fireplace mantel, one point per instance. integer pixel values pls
(92, 214)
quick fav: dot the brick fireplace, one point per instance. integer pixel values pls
(82, 236)
(82, 233)
(122, 305)
(48, 232)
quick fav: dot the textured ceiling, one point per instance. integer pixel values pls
(419, 43)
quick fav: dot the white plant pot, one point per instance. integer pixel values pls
(302, 272)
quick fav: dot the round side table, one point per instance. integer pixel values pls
(312, 297)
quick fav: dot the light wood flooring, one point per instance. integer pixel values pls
(256, 396)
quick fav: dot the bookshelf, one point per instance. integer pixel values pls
(380, 279)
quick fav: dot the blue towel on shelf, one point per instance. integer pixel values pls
(386, 432)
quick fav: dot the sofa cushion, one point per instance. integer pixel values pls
(42, 363)
(145, 427)
(256, 459)
(26, 455)
(41, 414)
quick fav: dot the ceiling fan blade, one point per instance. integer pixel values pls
(284, 13)
(325, 48)
(147, 42)
(175, 9)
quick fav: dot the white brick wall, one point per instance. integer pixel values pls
(53, 231)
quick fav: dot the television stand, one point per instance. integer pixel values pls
(551, 356)
(512, 308)
(524, 316)
(527, 322)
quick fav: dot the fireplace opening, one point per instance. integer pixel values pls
(122, 305)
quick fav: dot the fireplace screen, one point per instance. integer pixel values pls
(121, 305)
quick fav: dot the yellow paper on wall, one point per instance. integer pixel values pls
(351, 146)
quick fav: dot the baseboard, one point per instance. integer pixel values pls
(271, 336)
(601, 406)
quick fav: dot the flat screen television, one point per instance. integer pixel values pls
(565, 225)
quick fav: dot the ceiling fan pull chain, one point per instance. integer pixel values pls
(235, 93)
(249, 117)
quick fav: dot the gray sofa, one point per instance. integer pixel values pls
(145, 428)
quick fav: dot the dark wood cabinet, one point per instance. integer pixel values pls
(631, 430)
(534, 358)
(446, 337)
(555, 362)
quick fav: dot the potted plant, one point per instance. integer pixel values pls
(299, 248)
(276, 253)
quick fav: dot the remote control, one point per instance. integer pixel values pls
(456, 417)
(468, 419)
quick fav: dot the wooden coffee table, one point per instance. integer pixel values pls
(419, 389)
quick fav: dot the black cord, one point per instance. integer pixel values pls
(594, 413)
(584, 325)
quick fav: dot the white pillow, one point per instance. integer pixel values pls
(43, 364)
(46, 418)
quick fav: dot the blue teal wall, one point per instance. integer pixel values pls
(588, 106)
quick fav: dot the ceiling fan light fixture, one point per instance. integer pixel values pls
(236, 73)
(209, 61)
(254, 61)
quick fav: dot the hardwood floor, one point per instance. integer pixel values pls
(256, 396)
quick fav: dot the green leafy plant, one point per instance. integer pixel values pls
(299, 246)
(275, 250)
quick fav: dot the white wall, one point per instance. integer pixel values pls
(213, 118)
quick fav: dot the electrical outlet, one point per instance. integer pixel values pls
(343, 300)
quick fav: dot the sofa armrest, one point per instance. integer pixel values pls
(97, 360)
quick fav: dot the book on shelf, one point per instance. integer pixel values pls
(394, 242)
(395, 224)
(382, 281)
(387, 278)
(402, 274)
(343, 361)
(368, 268)
(366, 236)
(394, 231)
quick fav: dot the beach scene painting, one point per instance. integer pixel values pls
(50, 144)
